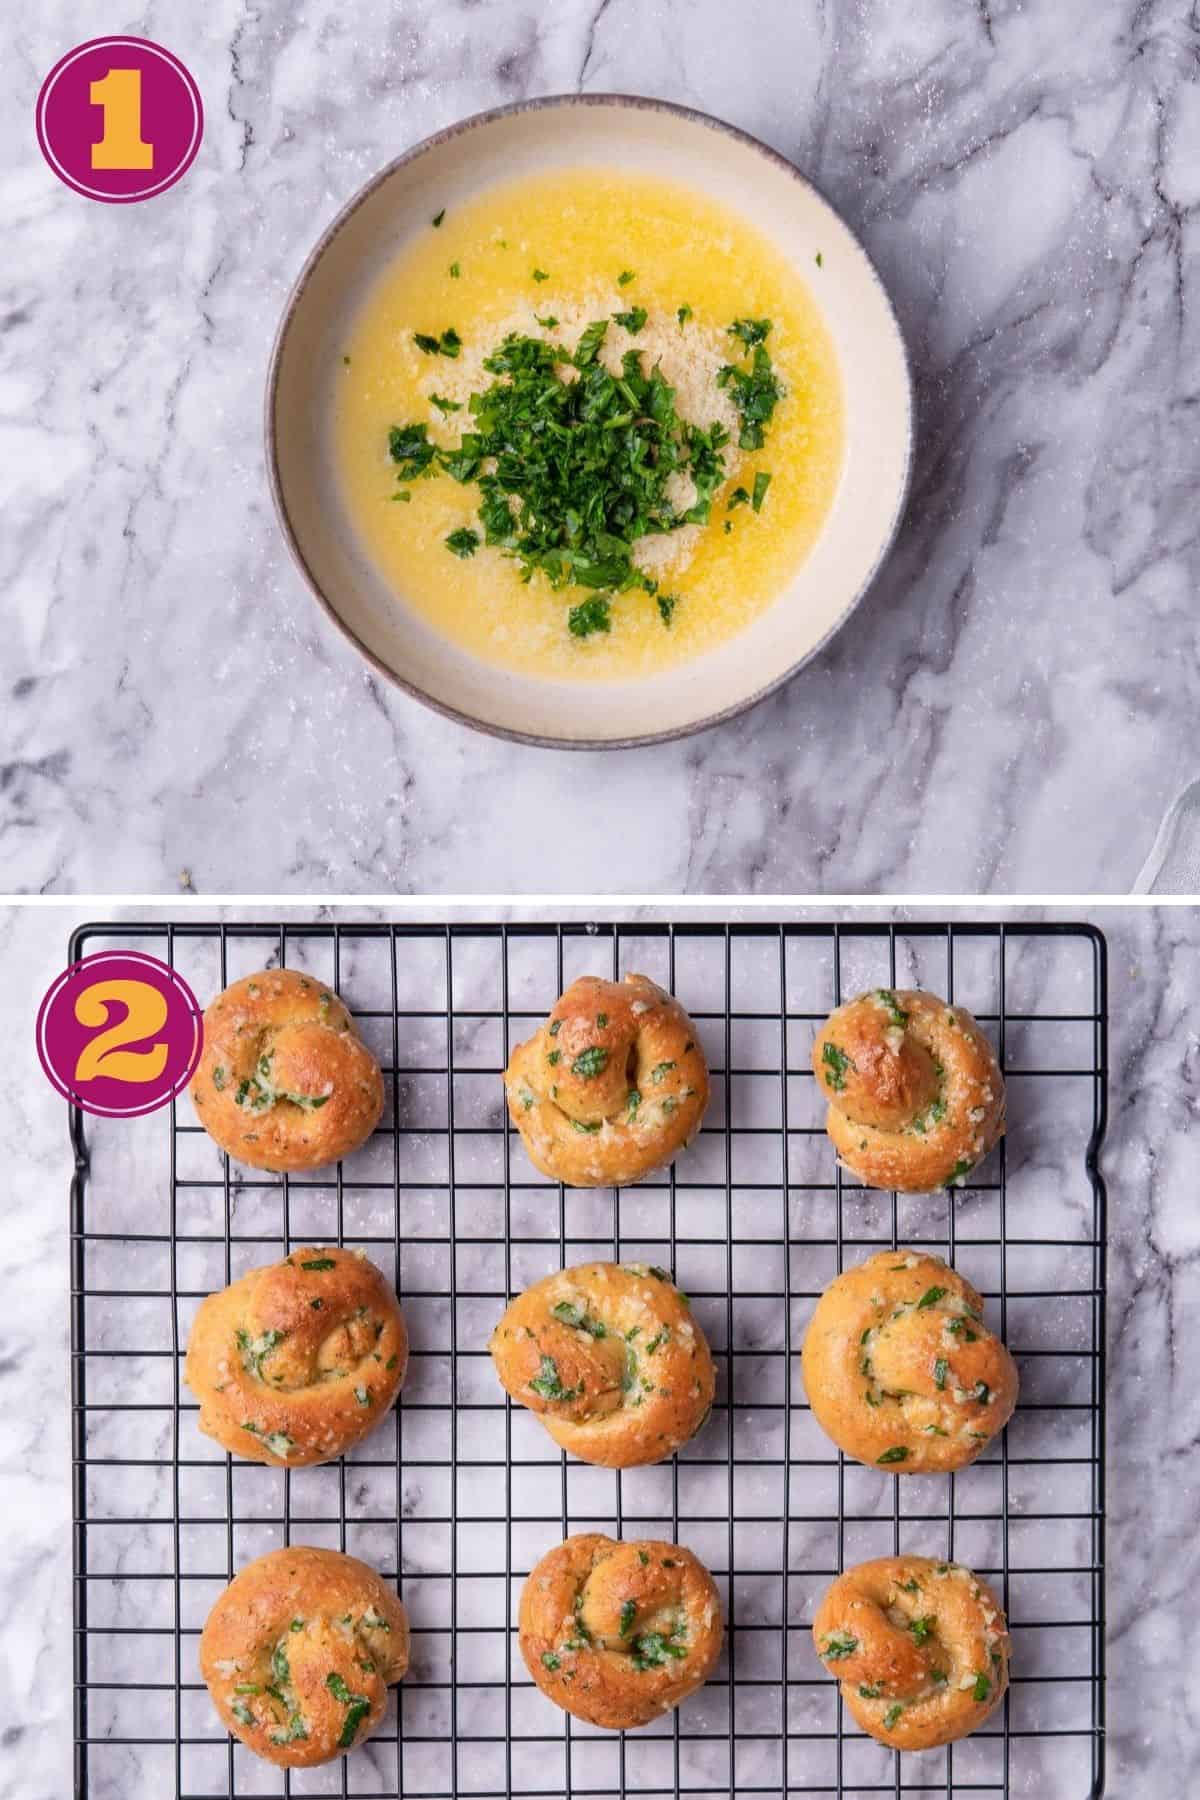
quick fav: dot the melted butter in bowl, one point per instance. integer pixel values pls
(581, 230)
(582, 189)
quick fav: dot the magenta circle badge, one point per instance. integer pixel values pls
(119, 119)
(119, 1033)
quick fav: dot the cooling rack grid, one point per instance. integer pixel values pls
(458, 1493)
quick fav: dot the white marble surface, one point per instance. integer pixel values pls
(1013, 708)
(1154, 1411)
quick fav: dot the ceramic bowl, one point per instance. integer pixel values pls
(671, 143)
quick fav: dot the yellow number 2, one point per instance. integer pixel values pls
(145, 1013)
(122, 146)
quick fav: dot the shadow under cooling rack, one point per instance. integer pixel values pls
(458, 1493)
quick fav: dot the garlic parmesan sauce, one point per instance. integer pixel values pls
(581, 230)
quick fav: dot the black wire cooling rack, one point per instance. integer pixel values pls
(458, 1493)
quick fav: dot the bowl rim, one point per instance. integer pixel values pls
(542, 103)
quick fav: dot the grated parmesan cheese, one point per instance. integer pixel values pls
(690, 361)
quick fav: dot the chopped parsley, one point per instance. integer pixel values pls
(660, 1070)
(982, 1688)
(652, 1648)
(253, 1351)
(443, 405)
(455, 271)
(891, 1715)
(625, 277)
(320, 1262)
(921, 1628)
(357, 1707)
(590, 615)
(437, 218)
(548, 1384)
(836, 1063)
(762, 482)
(962, 1167)
(570, 1314)
(296, 1729)
(448, 343)
(756, 391)
(931, 1116)
(548, 323)
(628, 1615)
(838, 1646)
(683, 314)
(590, 1062)
(570, 474)
(941, 1369)
(666, 606)
(539, 275)
(930, 1297)
(464, 542)
(897, 1454)
(896, 1014)
(750, 331)
(869, 1690)
(549, 1660)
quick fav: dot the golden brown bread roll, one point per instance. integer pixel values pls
(901, 1370)
(916, 1097)
(609, 1357)
(299, 1652)
(611, 1086)
(919, 1647)
(284, 1080)
(297, 1361)
(619, 1633)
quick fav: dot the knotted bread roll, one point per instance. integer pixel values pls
(619, 1633)
(284, 1080)
(610, 1358)
(916, 1097)
(299, 1652)
(611, 1086)
(901, 1370)
(297, 1361)
(919, 1647)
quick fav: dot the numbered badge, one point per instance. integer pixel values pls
(119, 119)
(119, 1033)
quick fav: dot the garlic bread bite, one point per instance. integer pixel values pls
(299, 1360)
(611, 1087)
(284, 1081)
(299, 1652)
(920, 1649)
(619, 1633)
(611, 1360)
(916, 1097)
(900, 1368)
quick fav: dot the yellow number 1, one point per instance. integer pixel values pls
(121, 147)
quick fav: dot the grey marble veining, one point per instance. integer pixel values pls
(1154, 1413)
(1012, 708)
